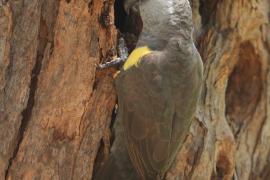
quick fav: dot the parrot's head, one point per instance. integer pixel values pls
(163, 18)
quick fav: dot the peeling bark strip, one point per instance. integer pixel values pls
(26, 113)
(55, 108)
(19, 47)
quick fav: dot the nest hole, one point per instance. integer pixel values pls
(129, 25)
(244, 87)
(223, 168)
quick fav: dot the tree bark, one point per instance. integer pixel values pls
(56, 108)
(230, 136)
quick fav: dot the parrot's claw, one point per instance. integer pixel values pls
(123, 55)
(112, 63)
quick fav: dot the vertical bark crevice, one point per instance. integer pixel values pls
(266, 171)
(26, 113)
(19, 63)
(100, 157)
(45, 36)
(255, 162)
(198, 150)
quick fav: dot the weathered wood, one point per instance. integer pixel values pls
(234, 44)
(19, 43)
(55, 108)
(56, 132)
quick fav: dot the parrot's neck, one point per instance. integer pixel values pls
(179, 45)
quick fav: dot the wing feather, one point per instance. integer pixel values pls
(147, 113)
(158, 99)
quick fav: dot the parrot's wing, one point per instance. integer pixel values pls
(147, 110)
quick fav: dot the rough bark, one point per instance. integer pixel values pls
(56, 108)
(230, 134)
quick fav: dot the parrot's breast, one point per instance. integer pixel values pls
(135, 57)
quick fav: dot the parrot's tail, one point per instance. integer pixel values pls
(113, 170)
(118, 166)
(108, 171)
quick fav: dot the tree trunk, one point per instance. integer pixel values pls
(230, 136)
(56, 108)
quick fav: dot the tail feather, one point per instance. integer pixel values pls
(113, 169)
(109, 171)
(118, 166)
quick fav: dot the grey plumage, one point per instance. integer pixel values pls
(157, 99)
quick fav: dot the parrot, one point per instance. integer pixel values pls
(158, 90)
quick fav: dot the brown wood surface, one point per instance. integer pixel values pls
(56, 108)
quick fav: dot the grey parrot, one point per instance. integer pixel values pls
(158, 89)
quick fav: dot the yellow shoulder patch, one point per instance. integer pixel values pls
(135, 57)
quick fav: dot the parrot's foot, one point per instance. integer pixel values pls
(114, 62)
(123, 55)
